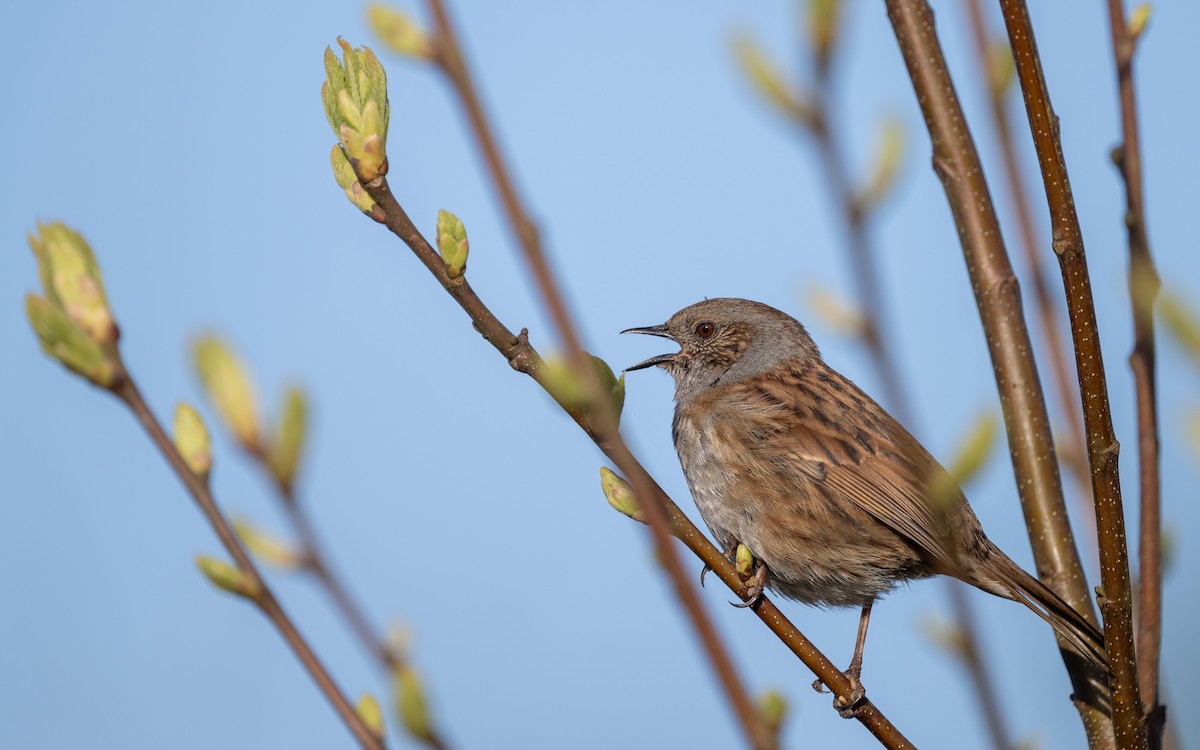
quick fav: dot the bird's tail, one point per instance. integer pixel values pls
(1068, 623)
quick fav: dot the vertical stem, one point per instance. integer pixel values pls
(997, 295)
(1143, 289)
(1048, 315)
(1103, 448)
(878, 343)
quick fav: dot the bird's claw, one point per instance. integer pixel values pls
(728, 552)
(754, 591)
(851, 705)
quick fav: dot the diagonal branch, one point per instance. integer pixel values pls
(126, 390)
(1103, 449)
(1143, 289)
(997, 295)
(523, 358)
(448, 54)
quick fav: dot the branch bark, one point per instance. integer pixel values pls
(1074, 455)
(1103, 448)
(522, 357)
(1143, 289)
(997, 295)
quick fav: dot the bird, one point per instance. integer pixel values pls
(837, 502)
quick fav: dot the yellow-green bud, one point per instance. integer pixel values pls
(71, 279)
(399, 32)
(835, 311)
(823, 24)
(1181, 322)
(773, 709)
(620, 495)
(348, 182)
(370, 713)
(192, 440)
(227, 577)
(66, 341)
(743, 561)
(356, 105)
(287, 444)
(970, 457)
(266, 547)
(1001, 68)
(452, 243)
(1138, 20)
(889, 152)
(560, 380)
(228, 386)
(768, 81)
(411, 704)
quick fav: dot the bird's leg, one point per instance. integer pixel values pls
(728, 552)
(754, 571)
(850, 705)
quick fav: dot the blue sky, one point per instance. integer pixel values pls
(189, 145)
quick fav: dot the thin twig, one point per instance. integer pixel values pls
(522, 357)
(448, 53)
(1143, 289)
(878, 342)
(1117, 608)
(997, 295)
(316, 562)
(1067, 390)
(126, 390)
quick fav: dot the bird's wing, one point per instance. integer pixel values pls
(825, 426)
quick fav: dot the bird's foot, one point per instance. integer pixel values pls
(756, 584)
(850, 705)
(728, 552)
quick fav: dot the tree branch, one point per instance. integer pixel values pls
(126, 390)
(1103, 449)
(1143, 289)
(1075, 452)
(878, 343)
(525, 359)
(997, 295)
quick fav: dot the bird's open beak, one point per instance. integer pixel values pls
(662, 359)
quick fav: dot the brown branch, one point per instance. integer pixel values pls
(126, 390)
(878, 343)
(1048, 316)
(448, 53)
(1143, 289)
(316, 562)
(523, 358)
(997, 295)
(1103, 449)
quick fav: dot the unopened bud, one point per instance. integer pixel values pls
(228, 386)
(399, 32)
(267, 547)
(192, 440)
(348, 182)
(368, 710)
(63, 339)
(227, 577)
(356, 105)
(452, 243)
(287, 442)
(71, 279)
(619, 494)
(411, 704)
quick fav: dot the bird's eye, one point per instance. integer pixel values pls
(705, 330)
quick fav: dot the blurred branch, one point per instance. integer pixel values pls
(1103, 449)
(449, 56)
(1074, 451)
(1143, 290)
(997, 294)
(523, 358)
(856, 208)
(126, 390)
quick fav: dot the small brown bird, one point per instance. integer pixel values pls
(827, 490)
